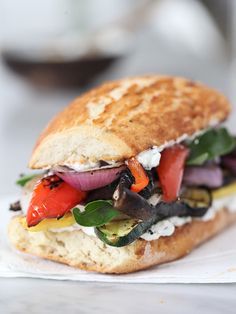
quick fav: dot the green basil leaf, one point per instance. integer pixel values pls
(96, 213)
(213, 143)
(199, 160)
(25, 178)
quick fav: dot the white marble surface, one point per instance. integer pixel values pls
(46, 296)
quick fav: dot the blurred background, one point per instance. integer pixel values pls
(53, 50)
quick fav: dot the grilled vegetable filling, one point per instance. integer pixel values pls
(181, 185)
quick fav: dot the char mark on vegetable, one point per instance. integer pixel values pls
(15, 206)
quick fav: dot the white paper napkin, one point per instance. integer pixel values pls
(213, 262)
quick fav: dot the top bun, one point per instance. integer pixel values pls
(120, 119)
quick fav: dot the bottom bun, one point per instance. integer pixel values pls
(77, 249)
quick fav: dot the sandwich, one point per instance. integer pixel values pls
(132, 174)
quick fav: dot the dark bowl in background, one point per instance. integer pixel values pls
(59, 73)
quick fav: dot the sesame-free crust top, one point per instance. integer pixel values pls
(122, 118)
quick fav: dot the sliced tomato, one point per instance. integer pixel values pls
(170, 171)
(52, 198)
(139, 174)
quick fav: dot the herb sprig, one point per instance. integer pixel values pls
(212, 144)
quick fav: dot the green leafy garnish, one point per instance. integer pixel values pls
(25, 178)
(212, 144)
(96, 213)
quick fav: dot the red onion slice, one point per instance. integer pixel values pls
(91, 180)
(209, 176)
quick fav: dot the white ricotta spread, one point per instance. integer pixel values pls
(167, 227)
(229, 202)
(87, 230)
(163, 228)
(154, 199)
(180, 221)
(149, 158)
(89, 166)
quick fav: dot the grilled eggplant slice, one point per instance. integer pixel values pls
(132, 204)
(193, 202)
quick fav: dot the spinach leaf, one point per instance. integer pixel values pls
(25, 178)
(96, 213)
(213, 143)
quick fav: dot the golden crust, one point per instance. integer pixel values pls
(89, 253)
(120, 119)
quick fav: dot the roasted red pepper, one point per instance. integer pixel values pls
(139, 174)
(52, 198)
(170, 171)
